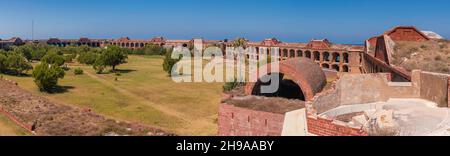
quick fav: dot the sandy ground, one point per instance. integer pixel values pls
(419, 117)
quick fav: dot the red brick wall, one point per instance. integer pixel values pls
(406, 34)
(16, 120)
(325, 127)
(236, 121)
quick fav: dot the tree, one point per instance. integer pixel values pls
(3, 59)
(153, 49)
(240, 42)
(169, 62)
(87, 58)
(70, 57)
(113, 56)
(24, 50)
(38, 50)
(53, 58)
(46, 76)
(99, 65)
(16, 63)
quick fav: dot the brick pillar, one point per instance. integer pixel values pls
(353, 61)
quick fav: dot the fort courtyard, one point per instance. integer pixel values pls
(325, 89)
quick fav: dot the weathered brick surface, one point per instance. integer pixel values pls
(304, 72)
(448, 93)
(405, 33)
(325, 127)
(235, 121)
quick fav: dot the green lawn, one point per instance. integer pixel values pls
(142, 93)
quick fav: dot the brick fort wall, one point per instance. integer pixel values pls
(236, 121)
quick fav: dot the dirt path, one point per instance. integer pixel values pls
(191, 121)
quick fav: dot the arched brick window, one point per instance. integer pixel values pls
(316, 56)
(299, 53)
(308, 54)
(326, 56)
(292, 53)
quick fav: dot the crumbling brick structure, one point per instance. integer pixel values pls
(238, 121)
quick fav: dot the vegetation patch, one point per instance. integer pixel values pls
(433, 56)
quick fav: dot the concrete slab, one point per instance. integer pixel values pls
(415, 117)
(359, 120)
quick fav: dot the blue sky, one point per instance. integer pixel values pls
(341, 21)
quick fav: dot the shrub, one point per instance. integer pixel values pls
(70, 57)
(2, 62)
(78, 71)
(443, 46)
(24, 50)
(438, 58)
(88, 58)
(99, 65)
(37, 50)
(46, 76)
(424, 47)
(17, 64)
(169, 62)
(53, 58)
(229, 86)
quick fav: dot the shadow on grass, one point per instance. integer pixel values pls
(117, 71)
(124, 71)
(17, 75)
(61, 89)
(180, 75)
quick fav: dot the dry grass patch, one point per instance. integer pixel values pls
(433, 56)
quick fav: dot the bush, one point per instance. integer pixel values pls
(229, 86)
(99, 65)
(149, 49)
(169, 62)
(37, 50)
(46, 76)
(70, 57)
(88, 58)
(2, 61)
(438, 58)
(78, 71)
(53, 58)
(24, 50)
(17, 64)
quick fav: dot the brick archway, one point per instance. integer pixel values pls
(304, 72)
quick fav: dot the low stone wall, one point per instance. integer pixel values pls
(16, 120)
(45, 118)
(236, 121)
(357, 89)
(329, 127)
(371, 88)
(434, 87)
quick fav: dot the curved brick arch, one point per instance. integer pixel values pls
(304, 72)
